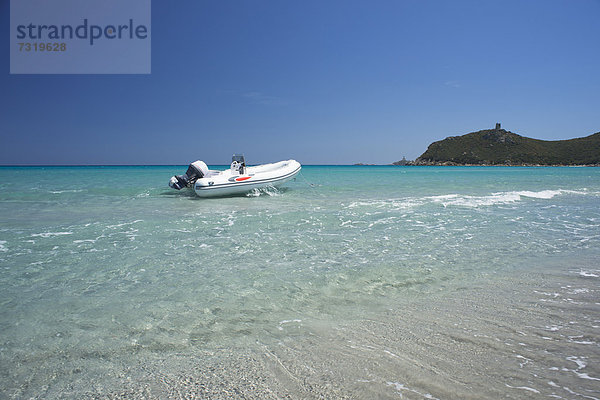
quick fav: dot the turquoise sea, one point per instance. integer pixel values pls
(351, 282)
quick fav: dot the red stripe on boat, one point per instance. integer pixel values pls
(242, 178)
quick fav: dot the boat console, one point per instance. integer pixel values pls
(238, 164)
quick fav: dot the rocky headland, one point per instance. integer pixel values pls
(501, 147)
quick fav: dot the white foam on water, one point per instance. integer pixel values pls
(391, 354)
(580, 290)
(463, 200)
(2, 247)
(50, 234)
(553, 295)
(525, 360)
(477, 201)
(269, 191)
(400, 387)
(588, 274)
(582, 341)
(586, 376)
(444, 197)
(253, 193)
(66, 191)
(392, 204)
(579, 361)
(498, 197)
(397, 385)
(287, 321)
(581, 364)
(523, 388)
(125, 223)
(553, 328)
(543, 194)
(579, 394)
(355, 204)
(85, 241)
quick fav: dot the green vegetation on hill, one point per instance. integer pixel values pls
(501, 147)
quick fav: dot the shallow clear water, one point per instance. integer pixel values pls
(359, 282)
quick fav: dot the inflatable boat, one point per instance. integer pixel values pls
(238, 179)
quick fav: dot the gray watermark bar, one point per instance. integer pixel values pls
(80, 37)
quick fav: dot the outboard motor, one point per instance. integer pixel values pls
(195, 171)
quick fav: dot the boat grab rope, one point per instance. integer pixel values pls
(306, 180)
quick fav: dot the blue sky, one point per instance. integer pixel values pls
(324, 82)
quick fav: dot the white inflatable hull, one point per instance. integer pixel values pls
(229, 183)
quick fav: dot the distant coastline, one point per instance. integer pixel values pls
(499, 147)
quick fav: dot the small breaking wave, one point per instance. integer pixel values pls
(589, 274)
(498, 198)
(66, 191)
(269, 191)
(464, 200)
(124, 224)
(401, 387)
(50, 234)
(396, 204)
